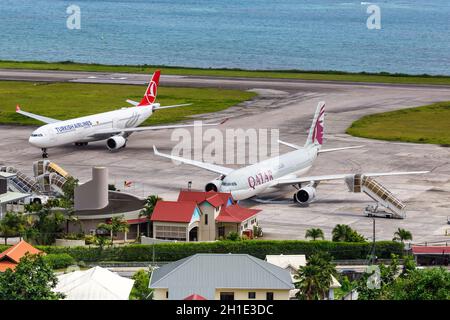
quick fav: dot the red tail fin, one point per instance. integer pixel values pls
(152, 89)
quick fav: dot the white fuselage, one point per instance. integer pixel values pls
(89, 128)
(256, 179)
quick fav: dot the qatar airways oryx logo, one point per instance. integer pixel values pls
(230, 146)
(318, 127)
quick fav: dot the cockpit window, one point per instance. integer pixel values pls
(37, 135)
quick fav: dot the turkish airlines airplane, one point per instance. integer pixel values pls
(287, 169)
(114, 126)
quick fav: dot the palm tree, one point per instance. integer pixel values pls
(315, 278)
(117, 224)
(149, 206)
(341, 232)
(344, 233)
(314, 233)
(402, 235)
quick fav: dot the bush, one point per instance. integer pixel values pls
(59, 261)
(74, 236)
(257, 248)
(89, 239)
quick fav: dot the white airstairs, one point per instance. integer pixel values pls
(387, 205)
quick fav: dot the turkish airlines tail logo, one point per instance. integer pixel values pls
(152, 90)
(318, 128)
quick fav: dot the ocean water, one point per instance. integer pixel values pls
(252, 34)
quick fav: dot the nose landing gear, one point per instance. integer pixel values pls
(44, 153)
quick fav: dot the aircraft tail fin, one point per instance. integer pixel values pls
(152, 90)
(316, 132)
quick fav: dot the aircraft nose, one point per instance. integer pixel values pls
(32, 140)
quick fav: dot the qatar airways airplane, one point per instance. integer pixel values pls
(287, 169)
(114, 126)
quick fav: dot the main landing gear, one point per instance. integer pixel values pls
(44, 153)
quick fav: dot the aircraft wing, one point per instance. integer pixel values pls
(292, 181)
(35, 116)
(203, 165)
(107, 132)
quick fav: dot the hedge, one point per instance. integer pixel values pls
(257, 248)
(60, 260)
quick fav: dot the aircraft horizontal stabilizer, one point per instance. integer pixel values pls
(132, 102)
(339, 149)
(174, 106)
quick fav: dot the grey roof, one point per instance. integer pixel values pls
(12, 196)
(119, 203)
(203, 273)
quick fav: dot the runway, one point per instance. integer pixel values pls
(287, 105)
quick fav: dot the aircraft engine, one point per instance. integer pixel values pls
(305, 195)
(213, 185)
(116, 142)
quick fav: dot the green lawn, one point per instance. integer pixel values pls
(426, 124)
(286, 74)
(70, 100)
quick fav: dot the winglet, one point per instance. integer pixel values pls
(155, 151)
(17, 108)
(224, 120)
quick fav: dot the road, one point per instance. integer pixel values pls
(286, 105)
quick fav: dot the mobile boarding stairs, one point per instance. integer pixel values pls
(387, 205)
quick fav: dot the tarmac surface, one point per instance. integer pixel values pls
(287, 105)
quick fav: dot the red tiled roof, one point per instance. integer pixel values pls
(174, 211)
(431, 249)
(214, 198)
(236, 213)
(216, 201)
(195, 297)
(16, 252)
(5, 265)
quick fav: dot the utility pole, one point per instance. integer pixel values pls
(372, 256)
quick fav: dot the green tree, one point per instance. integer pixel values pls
(314, 279)
(32, 279)
(314, 233)
(47, 224)
(343, 233)
(117, 224)
(13, 224)
(402, 235)
(150, 204)
(140, 290)
(233, 236)
(68, 197)
(379, 290)
(422, 284)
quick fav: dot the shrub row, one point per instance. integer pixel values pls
(59, 260)
(257, 248)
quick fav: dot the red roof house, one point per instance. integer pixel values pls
(431, 250)
(11, 256)
(200, 215)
